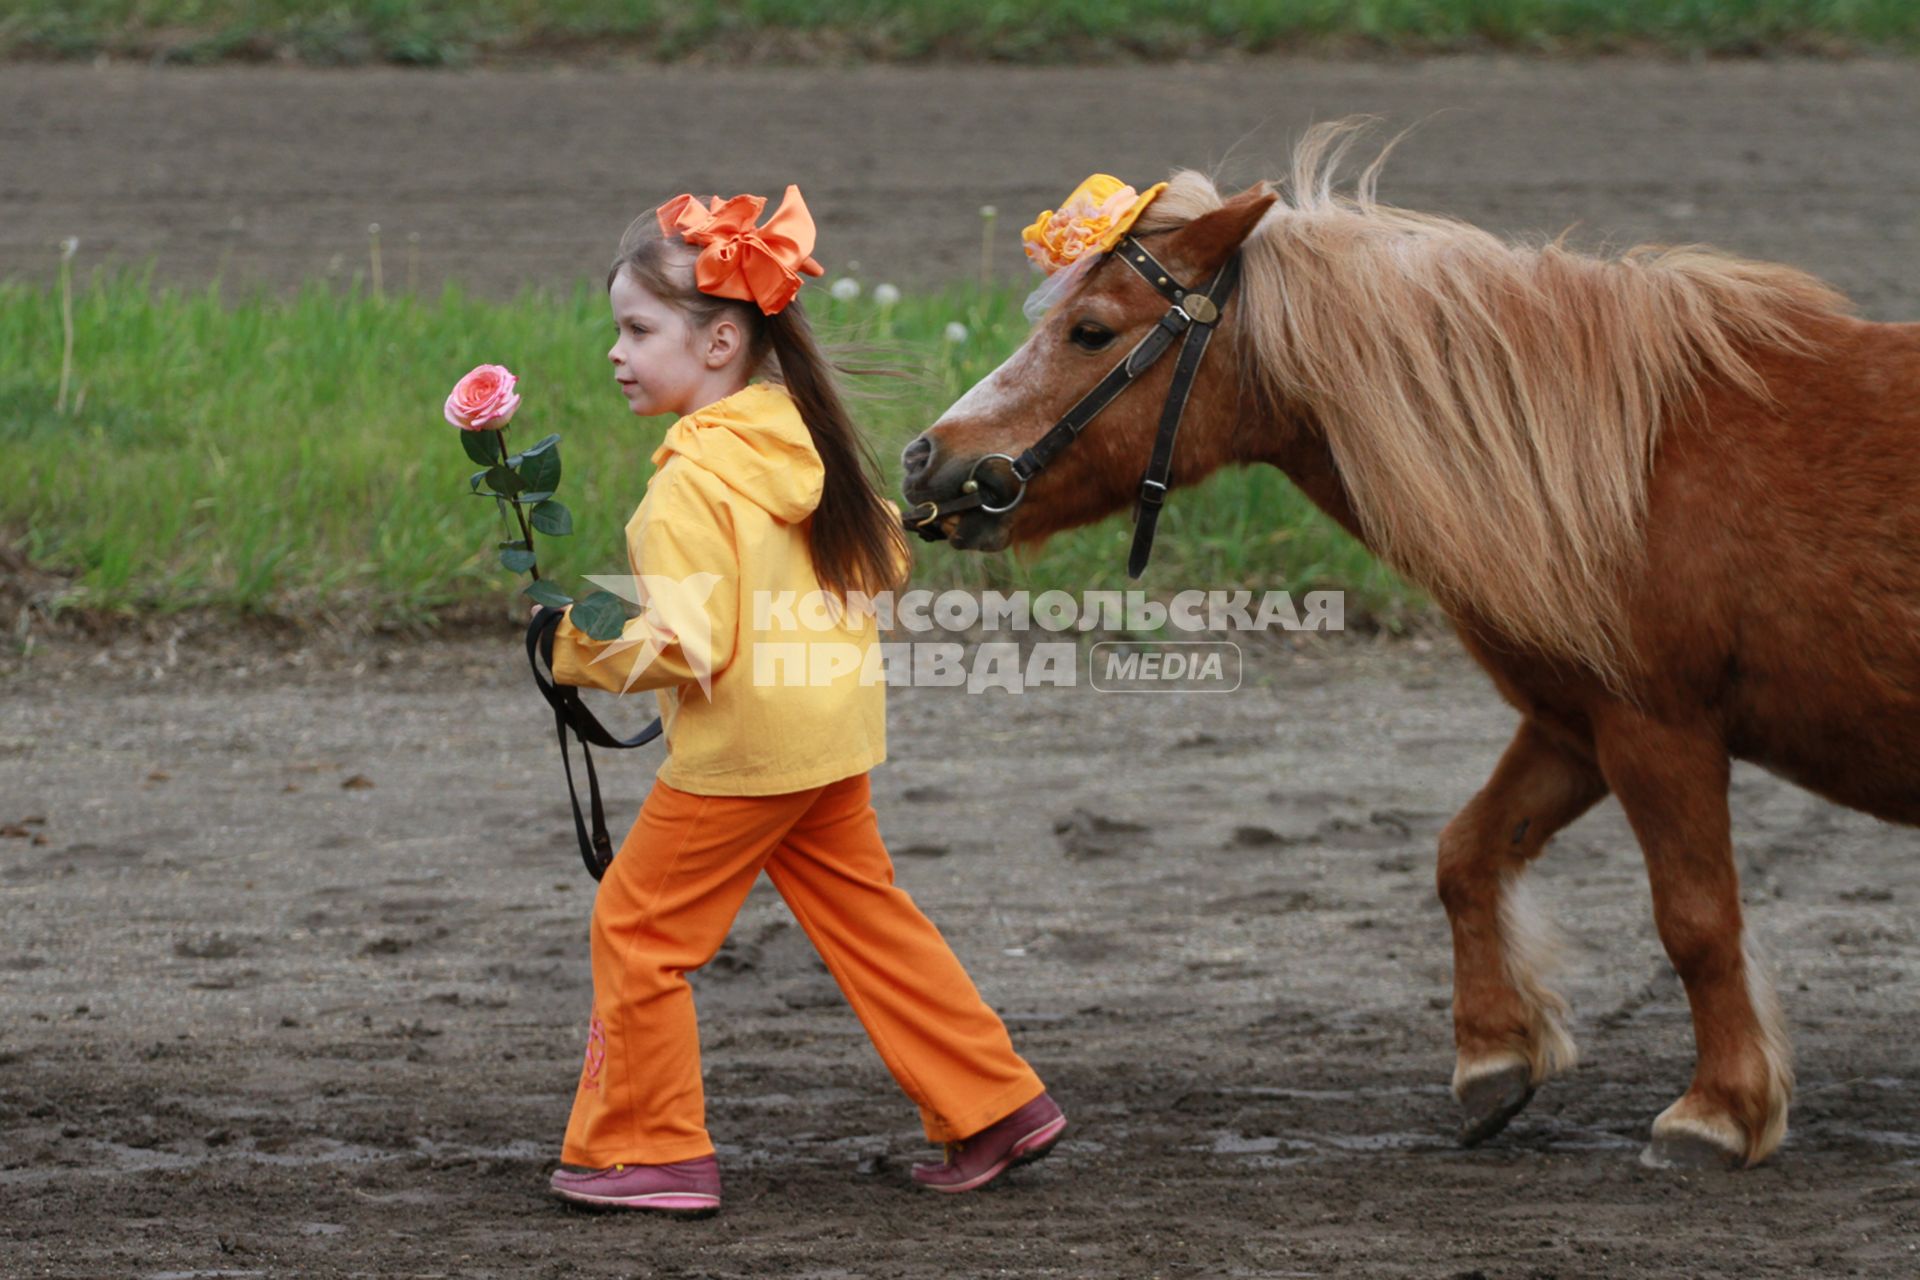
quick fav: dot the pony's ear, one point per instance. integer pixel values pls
(1204, 243)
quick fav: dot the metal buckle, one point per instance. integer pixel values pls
(1199, 308)
(933, 513)
(972, 484)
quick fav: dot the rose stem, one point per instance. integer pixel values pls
(526, 531)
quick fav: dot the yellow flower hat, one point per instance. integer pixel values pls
(1090, 221)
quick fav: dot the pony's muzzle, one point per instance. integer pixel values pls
(930, 475)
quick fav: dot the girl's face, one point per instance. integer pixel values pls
(662, 364)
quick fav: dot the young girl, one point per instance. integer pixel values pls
(764, 494)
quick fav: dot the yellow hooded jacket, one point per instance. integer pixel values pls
(724, 525)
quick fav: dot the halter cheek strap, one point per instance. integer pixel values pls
(1203, 309)
(1193, 317)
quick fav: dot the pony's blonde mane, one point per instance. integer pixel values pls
(1492, 408)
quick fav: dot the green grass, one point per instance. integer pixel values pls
(455, 32)
(285, 455)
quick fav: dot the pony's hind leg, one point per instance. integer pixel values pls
(1672, 782)
(1507, 1024)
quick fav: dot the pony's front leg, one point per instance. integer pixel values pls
(1672, 782)
(1506, 1023)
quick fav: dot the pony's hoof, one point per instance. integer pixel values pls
(1487, 1102)
(1689, 1149)
(1689, 1135)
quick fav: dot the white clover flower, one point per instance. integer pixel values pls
(846, 288)
(988, 212)
(885, 294)
(69, 246)
(955, 331)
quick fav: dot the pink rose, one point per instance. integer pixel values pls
(484, 399)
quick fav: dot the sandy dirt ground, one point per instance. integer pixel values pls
(293, 967)
(528, 177)
(296, 982)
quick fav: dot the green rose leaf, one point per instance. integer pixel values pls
(482, 446)
(516, 560)
(553, 519)
(541, 471)
(543, 446)
(504, 480)
(473, 481)
(546, 593)
(601, 615)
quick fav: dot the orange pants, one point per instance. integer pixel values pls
(665, 906)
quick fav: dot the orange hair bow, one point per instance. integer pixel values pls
(761, 265)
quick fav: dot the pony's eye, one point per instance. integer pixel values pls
(1090, 336)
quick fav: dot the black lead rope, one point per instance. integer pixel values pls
(569, 712)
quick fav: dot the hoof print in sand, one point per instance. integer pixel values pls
(1085, 834)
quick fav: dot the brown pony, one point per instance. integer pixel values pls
(1670, 501)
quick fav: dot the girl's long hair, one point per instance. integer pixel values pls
(856, 541)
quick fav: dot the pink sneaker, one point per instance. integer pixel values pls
(689, 1187)
(1024, 1136)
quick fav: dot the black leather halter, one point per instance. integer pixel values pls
(1195, 313)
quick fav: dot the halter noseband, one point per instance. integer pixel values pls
(1194, 314)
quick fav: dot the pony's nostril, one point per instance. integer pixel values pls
(914, 458)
